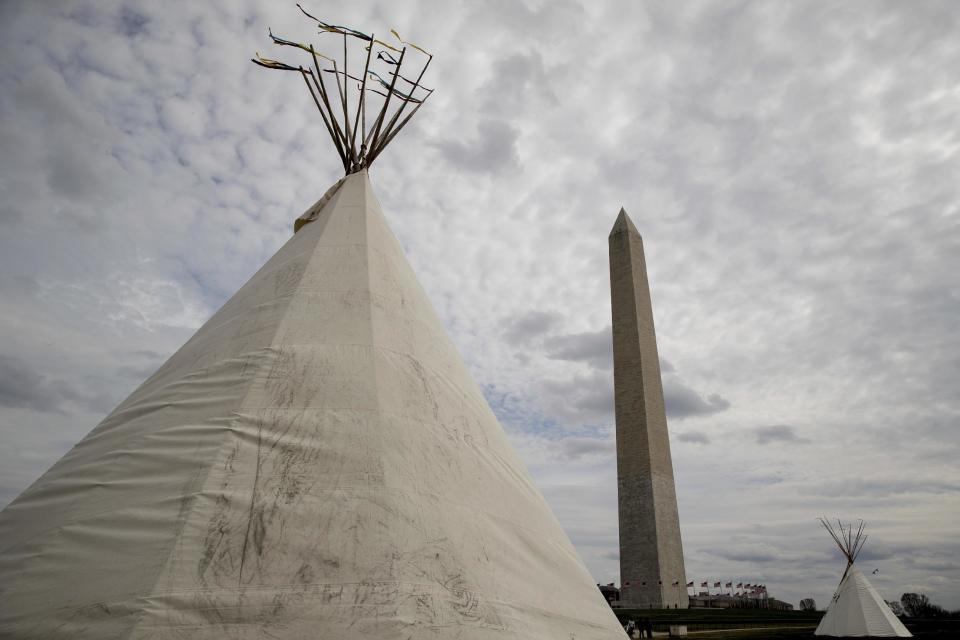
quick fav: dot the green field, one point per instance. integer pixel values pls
(720, 619)
(757, 624)
(756, 634)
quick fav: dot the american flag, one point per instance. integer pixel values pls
(729, 584)
(739, 585)
(703, 584)
(716, 584)
(690, 584)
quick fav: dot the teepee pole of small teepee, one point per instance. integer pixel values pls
(860, 540)
(850, 544)
(847, 540)
(836, 536)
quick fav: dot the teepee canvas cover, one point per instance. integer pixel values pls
(315, 462)
(857, 610)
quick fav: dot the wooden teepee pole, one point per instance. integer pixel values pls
(356, 151)
(361, 110)
(333, 136)
(386, 135)
(386, 103)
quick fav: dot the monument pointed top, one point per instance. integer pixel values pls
(623, 224)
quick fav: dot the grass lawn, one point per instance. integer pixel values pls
(796, 634)
(723, 616)
(773, 633)
(758, 624)
(720, 619)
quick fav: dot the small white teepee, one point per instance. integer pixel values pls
(857, 610)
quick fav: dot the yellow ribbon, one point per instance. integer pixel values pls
(409, 44)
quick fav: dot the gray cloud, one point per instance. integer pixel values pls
(695, 437)
(71, 176)
(522, 329)
(574, 448)
(594, 347)
(139, 364)
(778, 433)
(519, 81)
(21, 386)
(579, 398)
(132, 23)
(884, 486)
(875, 552)
(683, 402)
(764, 479)
(596, 350)
(939, 558)
(752, 556)
(493, 150)
(590, 398)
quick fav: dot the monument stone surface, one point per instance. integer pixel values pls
(651, 555)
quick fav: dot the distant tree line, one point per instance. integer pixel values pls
(912, 605)
(918, 605)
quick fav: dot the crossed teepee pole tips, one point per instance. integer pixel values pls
(358, 141)
(850, 543)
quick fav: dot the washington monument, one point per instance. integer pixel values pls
(651, 555)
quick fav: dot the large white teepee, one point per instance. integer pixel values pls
(857, 610)
(315, 461)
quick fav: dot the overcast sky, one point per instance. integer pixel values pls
(794, 168)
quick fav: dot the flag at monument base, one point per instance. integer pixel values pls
(857, 610)
(315, 461)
